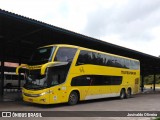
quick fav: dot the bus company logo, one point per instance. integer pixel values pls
(128, 72)
(81, 69)
(34, 67)
(6, 114)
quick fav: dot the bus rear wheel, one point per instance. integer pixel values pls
(129, 93)
(122, 94)
(73, 98)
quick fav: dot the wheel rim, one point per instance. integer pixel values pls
(122, 94)
(72, 99)
(129, 92)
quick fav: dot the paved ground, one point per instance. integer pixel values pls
(140, 102)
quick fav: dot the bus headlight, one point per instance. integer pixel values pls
(35, 95)
(43, 93)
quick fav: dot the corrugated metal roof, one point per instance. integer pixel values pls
(52, 27)
(20, 35)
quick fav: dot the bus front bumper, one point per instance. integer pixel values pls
(44, 99)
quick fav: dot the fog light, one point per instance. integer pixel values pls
(43, 100)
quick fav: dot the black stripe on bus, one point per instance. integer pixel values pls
(96, 80)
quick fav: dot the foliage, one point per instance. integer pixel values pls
(148, 80)
(158, 118)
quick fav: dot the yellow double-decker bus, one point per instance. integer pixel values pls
(66, 73)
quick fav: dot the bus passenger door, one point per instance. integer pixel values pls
(57, 91)
(57, 77)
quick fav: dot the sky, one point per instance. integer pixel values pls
(133, 24)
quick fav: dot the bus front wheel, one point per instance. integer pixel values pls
(73, 98)
(122, 94)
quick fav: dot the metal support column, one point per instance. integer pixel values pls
(2, 78)
(19, 77)
(154, 82)
(2, 69)
(2, 57)
(142, 83)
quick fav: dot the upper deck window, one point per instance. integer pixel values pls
(94, 58)
(65, 54)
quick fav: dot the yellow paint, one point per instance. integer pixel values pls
(49, 64)
(21, 66)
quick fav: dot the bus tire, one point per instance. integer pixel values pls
(129, 93)
(122, 94)
(73, 98)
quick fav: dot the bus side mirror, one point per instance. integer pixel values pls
(21, 66)
(51, 64)
(45, 66)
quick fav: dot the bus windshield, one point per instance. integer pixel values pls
(35, 81)
(54, 75)
(42, 55)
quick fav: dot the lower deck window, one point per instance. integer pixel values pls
(95, 80)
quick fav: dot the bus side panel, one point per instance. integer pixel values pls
(131, 80)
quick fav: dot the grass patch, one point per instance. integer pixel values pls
(157, 118)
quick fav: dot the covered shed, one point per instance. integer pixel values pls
(19, 36)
